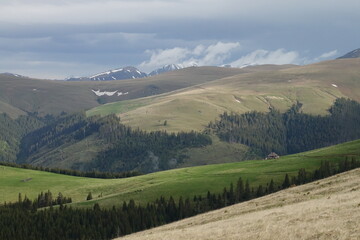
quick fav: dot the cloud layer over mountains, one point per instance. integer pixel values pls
(56, 39)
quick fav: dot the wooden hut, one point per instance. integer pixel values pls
(272, 155)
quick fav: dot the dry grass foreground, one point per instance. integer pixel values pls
(326, 209)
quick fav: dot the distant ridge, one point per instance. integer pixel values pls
(13, 75)
(126, 73)
(116, 74)
(353, 54)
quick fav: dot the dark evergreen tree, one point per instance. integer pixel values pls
(286, 182)
(89, 196)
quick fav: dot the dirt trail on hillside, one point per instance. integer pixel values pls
(325, 209)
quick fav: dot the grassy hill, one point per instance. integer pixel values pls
(19, 94)
(325, 209)
(77, 155)
(316, 86)
(178, 182)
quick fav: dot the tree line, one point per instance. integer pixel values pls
(291, 131)
(43, 200)
(18, 222)
(76, 173)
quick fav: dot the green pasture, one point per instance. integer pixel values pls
(179, 182)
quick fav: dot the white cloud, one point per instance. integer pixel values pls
(217, 53)
(325, 56)
(221, 53)
(328, 54)
(201, 55)
(162, 57)
(259, 57)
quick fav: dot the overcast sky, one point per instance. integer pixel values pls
(61, 38)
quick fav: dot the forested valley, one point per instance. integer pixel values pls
(130, 151)
(123, 149)
(292, 131)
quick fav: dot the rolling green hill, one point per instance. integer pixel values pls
(178, 182)
(316, 86)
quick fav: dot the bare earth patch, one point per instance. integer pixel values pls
(326, 209)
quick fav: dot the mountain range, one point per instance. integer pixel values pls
(134, 73)
(128, 72)
(131, 72)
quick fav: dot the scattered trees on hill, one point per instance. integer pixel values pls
(292, 131)
(43, 200)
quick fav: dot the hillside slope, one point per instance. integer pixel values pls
(315, 85)
(325, 209)
(184, 182)
(19, 95)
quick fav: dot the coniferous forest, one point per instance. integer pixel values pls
(292, 131)
(126, 150)
(13, 130)
(23, 219)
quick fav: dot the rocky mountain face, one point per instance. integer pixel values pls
(353, 54)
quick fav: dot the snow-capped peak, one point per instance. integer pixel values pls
(115, 74)
(166, 68)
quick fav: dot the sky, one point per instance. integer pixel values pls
(56, 39)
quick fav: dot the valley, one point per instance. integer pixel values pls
(178, 182)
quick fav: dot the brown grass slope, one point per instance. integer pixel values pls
(315, 85)
(19, 94)
(325, 209)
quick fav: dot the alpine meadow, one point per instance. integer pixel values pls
(179, 120)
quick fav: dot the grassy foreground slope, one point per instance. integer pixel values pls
(178, 182)
(316, 86)
(325, 209)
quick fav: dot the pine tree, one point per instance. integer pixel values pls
(271, 186)
(181, 208)
(286, 182)
(239, 190)
(19, 198)
(260, 191)
(89, 196)
(231, 194)
(247, 193)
